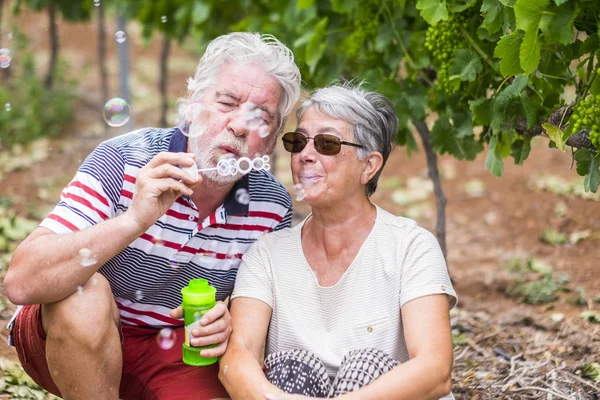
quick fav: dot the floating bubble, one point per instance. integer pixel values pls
(139, 295)
(264, 131)
(197, 316)
(80, 289)
(97, 3)
(253, 117)
(195, 120)
(166, 338)
(116, 112)
(10, 35)
(299, 191)
(163, 19)
(7, 107)
(242, 196)
(87, 258)
(120, 36)
(158, 241)
(5, 58)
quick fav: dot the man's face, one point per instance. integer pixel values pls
(239, 118)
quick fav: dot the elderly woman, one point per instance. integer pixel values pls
(353, 301)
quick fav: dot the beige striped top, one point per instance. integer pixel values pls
(398, 262)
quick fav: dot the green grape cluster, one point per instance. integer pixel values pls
(441, 40)
(364, 28)
(586, 115)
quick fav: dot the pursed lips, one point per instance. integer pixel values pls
(309, 177)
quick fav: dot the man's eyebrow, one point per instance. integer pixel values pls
(266, 109)
(236, 98)
(227, 94)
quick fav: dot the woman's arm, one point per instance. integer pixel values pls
(240, 369)
(429, 341)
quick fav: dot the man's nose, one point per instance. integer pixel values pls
(238, 126)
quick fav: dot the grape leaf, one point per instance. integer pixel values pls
(445, 140)
(433, 11)
(530, 52)
(528, 14)
(508, 3)
(316, 47)
(512, 91)
(533, 111)
(493, 163)
(482, 111)
(507, 50)
(344, 6)
(588, 165)
(557, 24)
(462, 5)
(304, 4)
(520, 149)
(555, 134)
(560, 2)
(492, 9)
(465, 65)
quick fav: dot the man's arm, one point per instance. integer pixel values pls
(46, 267)
(241, 367)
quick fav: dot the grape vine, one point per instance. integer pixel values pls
(586, 115)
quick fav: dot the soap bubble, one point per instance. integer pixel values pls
(120, 36)
(163, 19)
(87, 258)
(139, 295)
(79, 289)
(97, 3)
(242, 196)
(10, 35)
(7, 107)
(264, 131)
(166, 338)
(253, 117)
(5, 58)
(116, 112)
(299, 191)
(195, 120)
(158, 241)
(197, 316)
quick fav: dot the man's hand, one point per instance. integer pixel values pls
(215, 328)
(158, 185)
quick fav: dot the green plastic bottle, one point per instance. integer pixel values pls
(198, 297)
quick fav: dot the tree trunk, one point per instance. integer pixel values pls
(164, 58)
(102, 54)
(124, 68)
(53, 30)
(434, 175)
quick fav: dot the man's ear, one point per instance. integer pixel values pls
(373, 164)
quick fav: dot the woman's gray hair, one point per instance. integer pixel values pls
(372, 116)
(247, 48)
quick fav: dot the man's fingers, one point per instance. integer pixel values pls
(218, 311)
(220, 325)
(202, 341)
(171, 171)
(165, 157)
(176, 313)
(216, 351)
(170, 184)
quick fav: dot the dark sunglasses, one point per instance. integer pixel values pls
(328, 145)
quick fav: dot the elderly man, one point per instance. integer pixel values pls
(101, 276)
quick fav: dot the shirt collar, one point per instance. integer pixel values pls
(179, 143)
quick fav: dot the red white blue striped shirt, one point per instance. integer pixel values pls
(147, 276)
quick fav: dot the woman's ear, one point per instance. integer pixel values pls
(373, 164)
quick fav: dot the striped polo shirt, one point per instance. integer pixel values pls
(147, 276)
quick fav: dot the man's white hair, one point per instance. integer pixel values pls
(246, 48)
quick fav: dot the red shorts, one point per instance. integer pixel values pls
(149, 372)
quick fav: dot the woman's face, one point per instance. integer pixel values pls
(327, 180)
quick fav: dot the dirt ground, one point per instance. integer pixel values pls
(489, 221)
